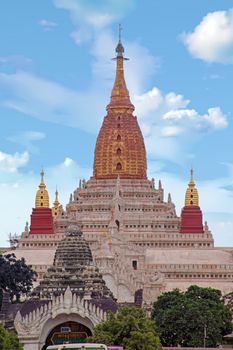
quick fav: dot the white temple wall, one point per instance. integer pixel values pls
(111, 283)
(225, 286)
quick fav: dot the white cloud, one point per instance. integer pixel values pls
(47, 25)
(154, 100)
(10, 163)
(179, 114)
(90, 17)
(171, 130)
(212, 39)
(167, 121)
(80, 36)
(68, 162)
(148, 102)
(216, 118)
(27, 139)
(18, 61)
(49, 101)
(174, 100)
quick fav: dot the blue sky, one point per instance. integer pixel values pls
(56, 76)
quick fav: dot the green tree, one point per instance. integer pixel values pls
(192, 318)
(228, 298)
(8, 341)
(15, 276)
(129, 327)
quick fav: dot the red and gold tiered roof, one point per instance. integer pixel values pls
(120, 149)
(41, 217)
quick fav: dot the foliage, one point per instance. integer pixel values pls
(8, 341)
(185, 319)
(15, 276)
(228, 298)
(129, 327)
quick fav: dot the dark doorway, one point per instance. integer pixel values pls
(119, 166)
(118, 224)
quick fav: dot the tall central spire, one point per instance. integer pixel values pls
(120, 94)
(120, 150)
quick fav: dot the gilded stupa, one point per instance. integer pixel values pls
(191, 195)
(56, 205)
(120, 149)
(42, 196)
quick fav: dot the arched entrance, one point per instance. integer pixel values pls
(36, 327)
(69, 331)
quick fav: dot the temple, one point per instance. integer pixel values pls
(136, 237)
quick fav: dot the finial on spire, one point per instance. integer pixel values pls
(56, 194)
(120, 48)
(120, 94)
(191, 174)
(169, 199)
(42, 175)
(120, 30)
(160, 185)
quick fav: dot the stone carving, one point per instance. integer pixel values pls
(157, 278)
(30, 325)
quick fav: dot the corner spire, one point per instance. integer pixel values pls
(120, 94)
(191, 214)
(42, 196)
(42, 184)
(56, 205)
(191, 196)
